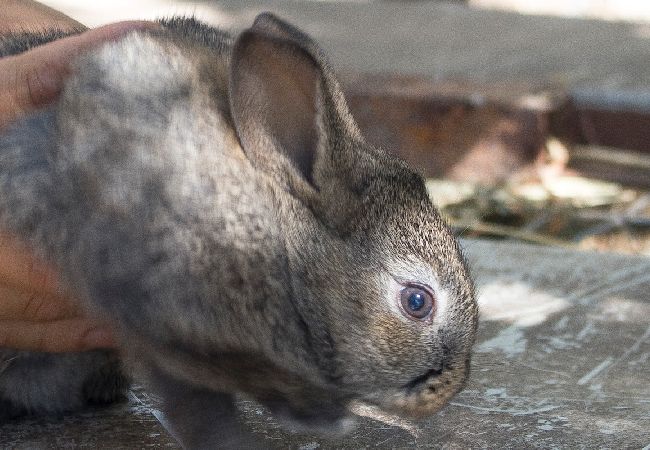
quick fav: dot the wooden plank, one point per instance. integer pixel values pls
(561, 361)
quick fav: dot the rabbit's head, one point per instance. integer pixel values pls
(376, 275)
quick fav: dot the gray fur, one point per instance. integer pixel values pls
(214, 199)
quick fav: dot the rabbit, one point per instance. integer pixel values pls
(212, 197)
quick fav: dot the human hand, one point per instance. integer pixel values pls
(35, 311)
(35, 78)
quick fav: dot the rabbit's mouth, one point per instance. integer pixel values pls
(426, 394)
(417, 382)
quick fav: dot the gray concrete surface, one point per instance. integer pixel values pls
(561, 362)
(438, 40)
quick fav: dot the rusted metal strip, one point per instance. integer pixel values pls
(490, 133)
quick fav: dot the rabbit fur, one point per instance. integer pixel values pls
(213, 198)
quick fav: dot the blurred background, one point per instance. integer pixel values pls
(628, 10)
(632, 10)
(530, 118)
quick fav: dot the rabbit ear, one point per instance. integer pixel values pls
(284, 100)
(274, 26)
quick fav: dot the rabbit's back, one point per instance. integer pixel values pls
(171, 211)
(133, 182)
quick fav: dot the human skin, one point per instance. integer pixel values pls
(37, 312)
(27, 15)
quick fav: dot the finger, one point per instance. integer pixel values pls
(27, 305)
(36, 77)
(20, 15)
(21, 270)
(70, 335)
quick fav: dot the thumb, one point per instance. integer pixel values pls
(35, 78)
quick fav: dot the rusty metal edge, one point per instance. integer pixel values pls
(569, 116)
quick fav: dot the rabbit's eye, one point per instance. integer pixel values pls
(417, 302)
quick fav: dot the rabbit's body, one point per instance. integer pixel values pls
(214, 199)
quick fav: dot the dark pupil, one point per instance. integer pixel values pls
(416, 301)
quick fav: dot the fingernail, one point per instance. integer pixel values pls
(100, 338)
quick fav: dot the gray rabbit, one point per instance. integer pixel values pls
(214, 199)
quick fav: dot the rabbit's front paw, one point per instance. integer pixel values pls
(107, 384)
(9, 410)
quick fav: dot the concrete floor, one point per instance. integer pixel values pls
(435, 40)
(561, 362)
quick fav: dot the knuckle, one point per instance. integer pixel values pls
(39, 277)
(38, 85)
(49, 339)
(34, 86)
(40, 341)
(38, 307)
(77, 342)
(4, 338)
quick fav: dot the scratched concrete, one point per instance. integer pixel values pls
(561, 361)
